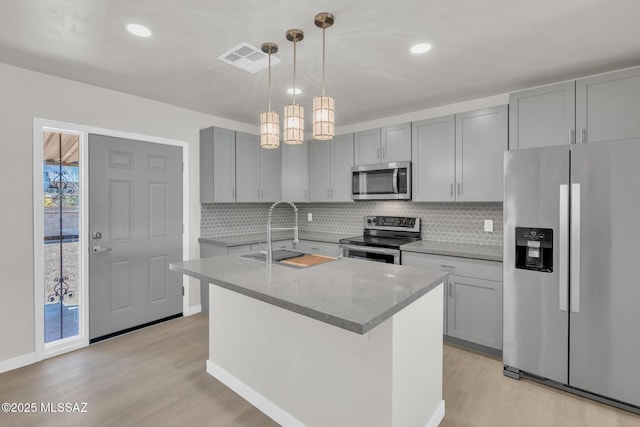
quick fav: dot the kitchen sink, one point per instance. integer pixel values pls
(278, 255)
(283, 256)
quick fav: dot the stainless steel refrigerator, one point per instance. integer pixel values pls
(572, 268)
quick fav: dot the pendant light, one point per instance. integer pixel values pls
(294, 113)
(324, 118)
(269, 121)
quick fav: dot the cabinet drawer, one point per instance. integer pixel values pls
(481, 269)
(243, 249)
(321, 248)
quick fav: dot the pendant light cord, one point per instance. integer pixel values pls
(269, 109)
(294, 70)
(323, 49)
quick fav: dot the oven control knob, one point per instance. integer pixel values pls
(369, 221)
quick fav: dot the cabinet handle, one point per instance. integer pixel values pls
(378, 153)
(233, 191)
(452, 189)
(384, 151)
(459, 189)
(450, 289)
(328, 193)
(447, 266)
(583, 135)
(331, 193)
(572, 136)
(262, 193)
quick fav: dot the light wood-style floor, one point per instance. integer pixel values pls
(157, 377)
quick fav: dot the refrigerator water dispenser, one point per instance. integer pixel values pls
(534, 249)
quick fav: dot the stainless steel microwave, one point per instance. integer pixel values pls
(387, 181)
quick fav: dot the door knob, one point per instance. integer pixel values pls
(99, 249)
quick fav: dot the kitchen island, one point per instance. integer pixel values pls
(344, 343)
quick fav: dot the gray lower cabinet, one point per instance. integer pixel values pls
(330, 165)
(320, 248)
(473, 296)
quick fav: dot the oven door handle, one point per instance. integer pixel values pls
(371, 249)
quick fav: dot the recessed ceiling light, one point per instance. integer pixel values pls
(420, 48)
(138, 30)
(290, 91)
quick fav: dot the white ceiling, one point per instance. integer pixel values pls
(480, 48)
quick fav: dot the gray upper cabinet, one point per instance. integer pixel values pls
(270, 174)
(320, 155)
(459, 157)
(330, 165)
(342, 164)
(608, 107)
(367, 147)
(481, 140)
(295, 172)
(247, 168)
(542, 116)
(396, 143)
(386, 145)
(217, 165)
(257, 170)
(433, 153)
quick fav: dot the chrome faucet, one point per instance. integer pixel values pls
(295, 228)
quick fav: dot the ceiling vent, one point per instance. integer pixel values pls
(248, 58)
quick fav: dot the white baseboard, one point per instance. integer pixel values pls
(194, 309)
(437, 416)
(275, 412)
(269, 408)
(18, 362)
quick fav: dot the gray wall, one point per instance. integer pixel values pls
(26, 95)
(448, 222)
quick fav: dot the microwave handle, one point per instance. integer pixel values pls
(395, 181)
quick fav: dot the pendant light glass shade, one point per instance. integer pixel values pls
(324, 117)
(324, 107)
(269, 121)
(269, 130)
(293, 124)
(294, 113)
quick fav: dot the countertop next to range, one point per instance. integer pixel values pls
(351, 294)
(463, 250)
(248, 239)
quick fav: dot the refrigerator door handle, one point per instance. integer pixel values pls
(563, 268)
(575, 248)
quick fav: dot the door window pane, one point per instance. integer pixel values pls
(61, 233)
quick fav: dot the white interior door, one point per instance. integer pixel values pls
(135, 227)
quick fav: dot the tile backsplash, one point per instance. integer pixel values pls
(444, 222)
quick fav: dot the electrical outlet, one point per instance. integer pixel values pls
(309, 217)
(488, 225)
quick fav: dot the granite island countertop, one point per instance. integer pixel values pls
(463, 250)
(248, 239)
(351, 294)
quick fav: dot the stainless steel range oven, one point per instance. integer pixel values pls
(382, 238)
